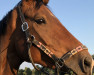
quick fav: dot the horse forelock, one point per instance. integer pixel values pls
(45, 1)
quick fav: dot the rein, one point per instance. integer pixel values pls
(59, 62)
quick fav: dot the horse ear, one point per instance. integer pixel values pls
(45, 1)
(27, 0)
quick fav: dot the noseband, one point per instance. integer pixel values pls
(59, 62)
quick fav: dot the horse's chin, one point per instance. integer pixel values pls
(67, 71)
(71, 72)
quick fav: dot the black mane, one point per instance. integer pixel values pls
(3, 23)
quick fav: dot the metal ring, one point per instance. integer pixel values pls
(24, 26)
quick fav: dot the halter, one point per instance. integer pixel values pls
(59, 62)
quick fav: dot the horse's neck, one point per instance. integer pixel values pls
(4, 42)
(4, 65)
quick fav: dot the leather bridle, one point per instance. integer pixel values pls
(59, 62)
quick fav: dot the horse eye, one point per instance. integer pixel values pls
(40, 21)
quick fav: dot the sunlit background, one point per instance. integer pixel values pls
(76, 15)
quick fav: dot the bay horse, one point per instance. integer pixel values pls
(30, 32)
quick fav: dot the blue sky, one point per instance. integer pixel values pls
(76, 15)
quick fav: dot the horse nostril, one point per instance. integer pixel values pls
(87, 63)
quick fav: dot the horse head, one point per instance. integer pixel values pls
(37, 24)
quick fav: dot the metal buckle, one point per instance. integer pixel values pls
(24, 26)
(32, 37)
(60, 63)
